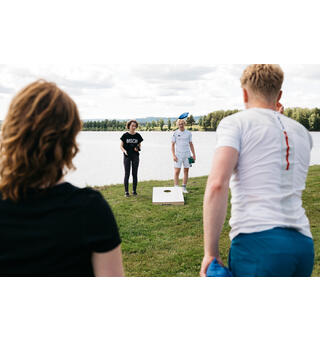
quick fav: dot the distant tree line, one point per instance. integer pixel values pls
(309, 118)
(115, 125)
(212, 120)
(105, 125)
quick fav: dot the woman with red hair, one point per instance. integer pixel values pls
(48, 227)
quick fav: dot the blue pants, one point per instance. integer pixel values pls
(280, 252)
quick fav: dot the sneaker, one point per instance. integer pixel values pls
(134, 193)
(127, 195)
(184, 190)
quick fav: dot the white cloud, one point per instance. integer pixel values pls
(156, 73)
(303, 71)
(122, 91)
(6, 90)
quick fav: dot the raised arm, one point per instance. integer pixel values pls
(215, 203)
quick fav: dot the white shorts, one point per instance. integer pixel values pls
(182, 159)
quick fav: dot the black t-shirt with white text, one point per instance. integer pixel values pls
(55, 231)
(130, 142)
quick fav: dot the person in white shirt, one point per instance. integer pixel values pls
(266, 155)
(180, 147)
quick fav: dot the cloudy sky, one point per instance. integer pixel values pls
(125, 91)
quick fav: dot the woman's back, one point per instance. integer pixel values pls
(54, 232)
(49, 227)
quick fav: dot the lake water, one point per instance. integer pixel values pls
(100, 160)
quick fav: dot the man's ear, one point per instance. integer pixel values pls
(279, 96)
(245, 95)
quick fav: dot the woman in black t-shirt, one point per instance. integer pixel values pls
(131, 145)
(49, 227)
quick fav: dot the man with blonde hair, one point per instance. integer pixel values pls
(180, 148)
(266, 155)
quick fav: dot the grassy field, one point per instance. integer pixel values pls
(168, 240)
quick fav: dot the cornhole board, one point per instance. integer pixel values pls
(167, 196)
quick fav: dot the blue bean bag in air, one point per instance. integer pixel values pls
(184, 115)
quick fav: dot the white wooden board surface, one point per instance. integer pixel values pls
(167, 196)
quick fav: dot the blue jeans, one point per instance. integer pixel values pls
(280, 252)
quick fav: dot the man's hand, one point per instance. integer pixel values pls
(175, 159)
(280, 108)
(207, 260)
(125, 152)
(192, 151)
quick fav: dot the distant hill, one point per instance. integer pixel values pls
(140, 120)
(153, 118)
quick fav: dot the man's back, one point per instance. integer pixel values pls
(274, 156)
(264, 157)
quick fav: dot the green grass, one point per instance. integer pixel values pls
(168, 240)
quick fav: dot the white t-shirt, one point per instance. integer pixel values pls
(267, 184)
(182, 141)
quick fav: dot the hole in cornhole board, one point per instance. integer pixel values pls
(167, 196)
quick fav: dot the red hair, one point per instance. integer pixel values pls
(38, 139)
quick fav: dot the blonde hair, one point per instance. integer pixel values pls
(265, 80)
(180, 120)
(38, 139)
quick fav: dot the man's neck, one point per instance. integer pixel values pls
(261, 106)
(182, 129)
